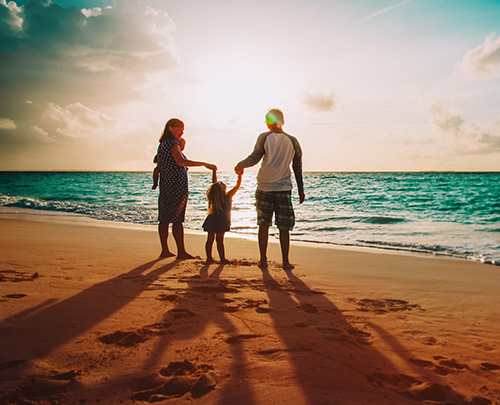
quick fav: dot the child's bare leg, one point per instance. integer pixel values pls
(220, 247)
(208, 246)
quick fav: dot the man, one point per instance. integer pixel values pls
(277, 150)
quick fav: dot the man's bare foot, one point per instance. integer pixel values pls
(166, 253)
(288, 266)
(185, 256)
(263, 264)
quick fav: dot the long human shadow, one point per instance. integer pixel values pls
(36, 332)
(332, 357)
(192, 304)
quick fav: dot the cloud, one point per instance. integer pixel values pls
(78, 68)
(467, 138)
(320, 102)
(78, 121)
(447, 117)
(6, 123)
(484, 60)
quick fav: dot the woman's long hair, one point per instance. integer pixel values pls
(215, 197)
(173, 122)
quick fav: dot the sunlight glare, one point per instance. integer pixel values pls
(237, 90)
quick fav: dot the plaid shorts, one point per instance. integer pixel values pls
(279, 202)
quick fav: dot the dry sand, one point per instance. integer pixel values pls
(89, 314)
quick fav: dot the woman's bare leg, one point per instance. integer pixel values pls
(163, 233)
(178, 232)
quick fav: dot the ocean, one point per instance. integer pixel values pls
(444, 214)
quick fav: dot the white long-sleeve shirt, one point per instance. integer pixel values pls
(277, 150)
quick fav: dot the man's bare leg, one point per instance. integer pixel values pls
(263, 240)
(285, 249)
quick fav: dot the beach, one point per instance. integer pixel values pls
(90, 314)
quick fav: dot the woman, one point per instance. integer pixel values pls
(173, 187)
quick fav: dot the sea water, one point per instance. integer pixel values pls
(450, 214)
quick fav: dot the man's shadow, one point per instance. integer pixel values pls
(332, 357)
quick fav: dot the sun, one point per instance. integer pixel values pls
(238, 88)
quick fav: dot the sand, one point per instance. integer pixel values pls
(89, 314)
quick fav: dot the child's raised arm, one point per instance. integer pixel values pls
(233, 191)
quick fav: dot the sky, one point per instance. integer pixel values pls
(364, 85)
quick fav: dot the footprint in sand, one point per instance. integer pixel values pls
(134, 337)
(309, 308)
(169, 297)
(230, 308)
(383, 306)
(178, 313)
(239, 338)
(43, 386)
(16, 295)
(490, 367)
(175, 380)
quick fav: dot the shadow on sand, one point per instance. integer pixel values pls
(222, 341)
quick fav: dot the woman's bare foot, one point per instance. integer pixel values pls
(166, 253)
(288, 266)
(263, 264)
(185, 256)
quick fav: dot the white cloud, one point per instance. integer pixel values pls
(42, 135)
(6, 123)
(66, 73)
(484, 60)
(78, 121)
(447, 117)
(468, 138)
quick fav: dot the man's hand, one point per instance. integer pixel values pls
(302, 197)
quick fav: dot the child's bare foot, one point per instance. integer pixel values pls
(288, 266)
(166, 253)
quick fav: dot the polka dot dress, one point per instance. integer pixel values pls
(173, 185)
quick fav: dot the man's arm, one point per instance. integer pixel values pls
(297, 169)
(256, 155)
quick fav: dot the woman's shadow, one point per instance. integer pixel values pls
(38, 331)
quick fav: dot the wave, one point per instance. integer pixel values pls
(379, 220)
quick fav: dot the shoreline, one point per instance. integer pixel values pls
(72, 218)
(90, 312)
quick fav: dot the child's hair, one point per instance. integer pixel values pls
(215, 197)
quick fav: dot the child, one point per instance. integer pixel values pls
(218, 220)
(156, 170)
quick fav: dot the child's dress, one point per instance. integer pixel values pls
(219, 221)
